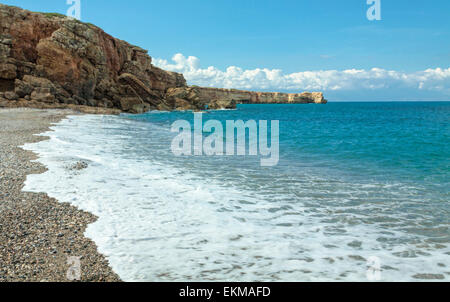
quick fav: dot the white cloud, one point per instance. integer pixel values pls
(323, 80)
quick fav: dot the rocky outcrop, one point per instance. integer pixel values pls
(222, 104)
(49, 60)
(52, 59)
(251, 97)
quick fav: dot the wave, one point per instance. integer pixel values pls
(163, 218)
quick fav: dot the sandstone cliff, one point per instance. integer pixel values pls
(185, 98)
(51, 61)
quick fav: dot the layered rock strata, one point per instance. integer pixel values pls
(51, 61)
(187, 98)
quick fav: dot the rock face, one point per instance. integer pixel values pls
(250, 97)
(192, 98)
(49, 60)
(54, 59)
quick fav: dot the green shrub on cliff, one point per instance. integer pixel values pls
(56, 15)
(53, 15)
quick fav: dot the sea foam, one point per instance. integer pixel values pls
(161, 218)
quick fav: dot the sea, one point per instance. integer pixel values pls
(361, 192)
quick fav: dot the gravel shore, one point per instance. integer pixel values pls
(38, 235)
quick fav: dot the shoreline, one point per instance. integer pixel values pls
(38, 233)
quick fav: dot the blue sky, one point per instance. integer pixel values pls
(256, 37)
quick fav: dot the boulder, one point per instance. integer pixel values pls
(23, 88)
(140, 90)
(185, 98)
(133, 104)
(8, 71)
(11, 95)
(183, 105)
(43, 95)
(222, 104)
(79, 100)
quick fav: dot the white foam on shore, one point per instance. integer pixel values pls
(161, 221)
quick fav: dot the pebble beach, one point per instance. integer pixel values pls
(38, 234)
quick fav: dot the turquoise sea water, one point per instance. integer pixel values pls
(356, 184)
